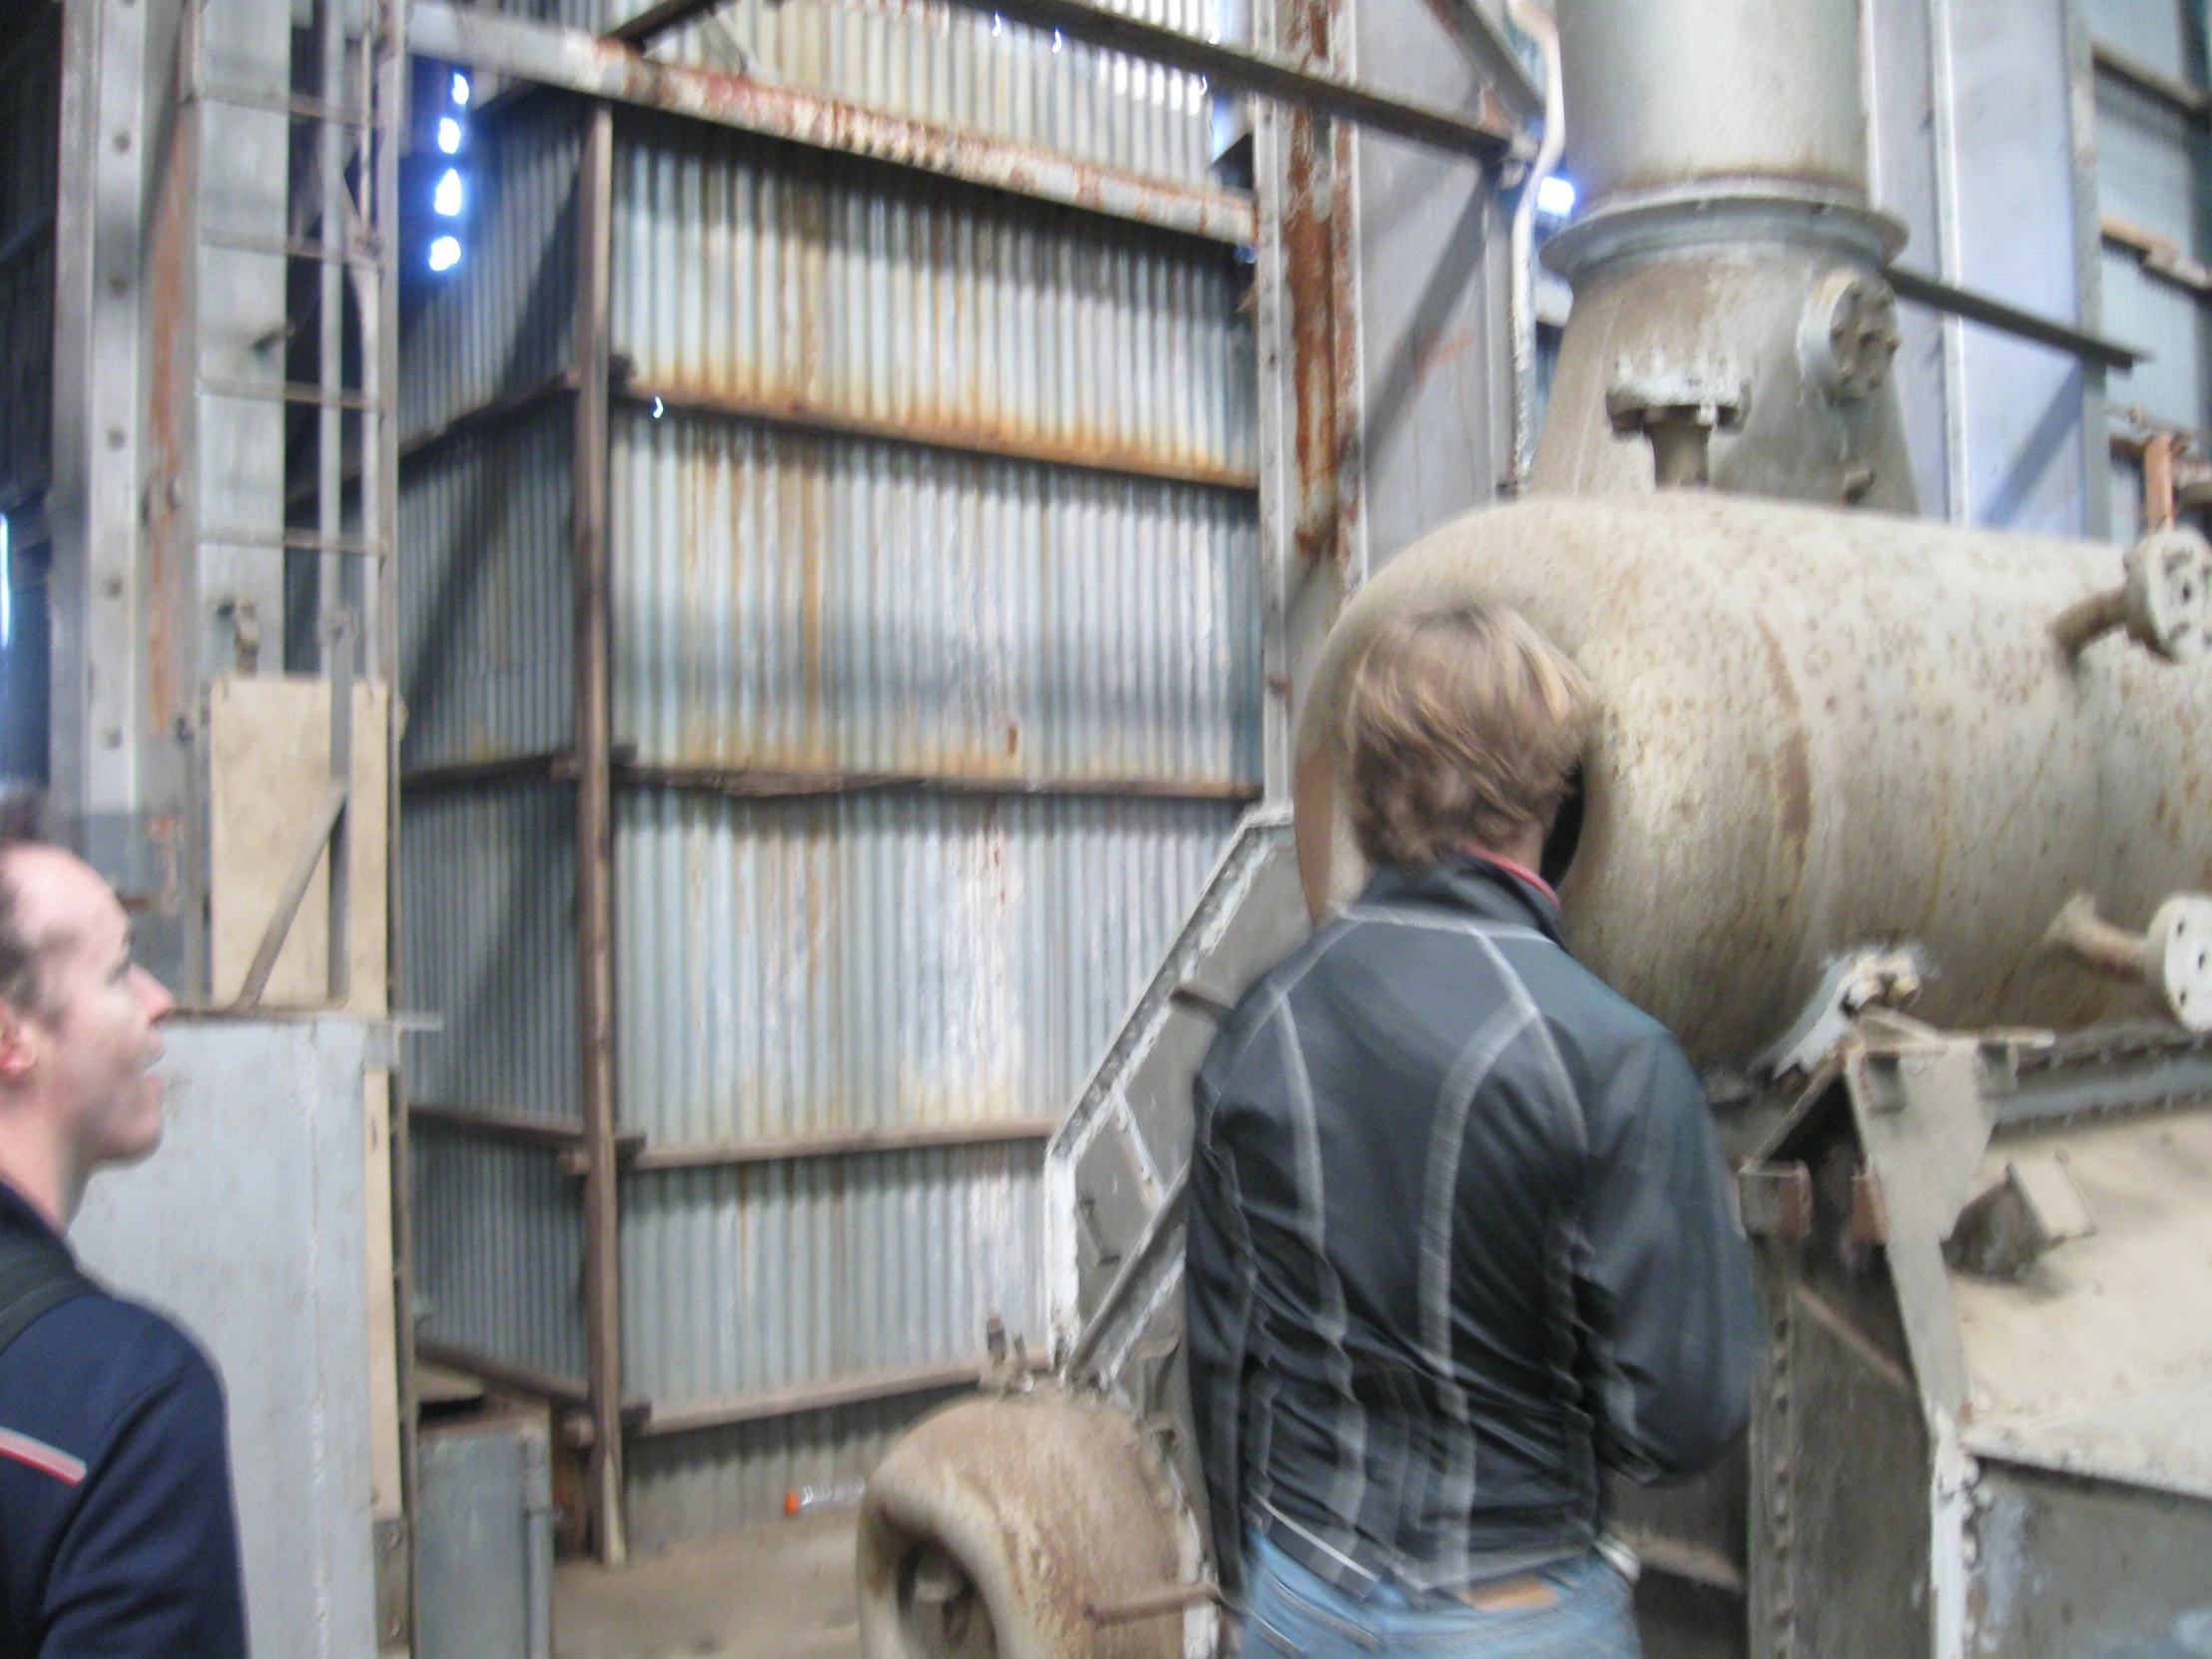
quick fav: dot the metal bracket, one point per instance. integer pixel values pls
(1679, 411)
(1872, 977)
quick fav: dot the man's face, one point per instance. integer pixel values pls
(96, 1031)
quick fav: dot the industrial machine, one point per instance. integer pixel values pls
(1898, 825)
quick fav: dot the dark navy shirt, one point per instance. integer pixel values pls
(117, 1533)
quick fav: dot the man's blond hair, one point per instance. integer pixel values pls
(1464, 728)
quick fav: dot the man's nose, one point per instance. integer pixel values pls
(154, 995)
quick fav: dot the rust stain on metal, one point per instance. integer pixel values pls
(1004, 439)
(827, 123)
(1793, 780)
(169, 394)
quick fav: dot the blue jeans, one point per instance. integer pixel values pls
(1294, 1614)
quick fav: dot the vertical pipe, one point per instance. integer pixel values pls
(594, 837)
(1667, 92)
(1536, 23)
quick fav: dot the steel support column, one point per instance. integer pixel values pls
(594, 840)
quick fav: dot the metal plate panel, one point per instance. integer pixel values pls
(483, 1538)
(741, 1280)
(500, 321)
(248, 1227)
(488, 883)
(794, 602)
(969, 69)
(2066, 1369)
(486, 604)
(2154, 33)
(499, 1242)
(1433, 263)
(2013, 211)
(2174, 387)
(879, 961)
(2078, 1569)
(798, 280)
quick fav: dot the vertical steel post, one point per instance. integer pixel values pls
(331, 146)
(1305, 320)
(594, 899)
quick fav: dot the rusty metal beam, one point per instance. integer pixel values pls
(603, 68)
(1119, 461)
(821, 1397)
(1487, 136)
(768, 785)
(773, 784)
(851, 1143)
(594, 839)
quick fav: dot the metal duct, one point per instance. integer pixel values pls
(1728, 275)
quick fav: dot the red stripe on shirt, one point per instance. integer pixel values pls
(39, 1456)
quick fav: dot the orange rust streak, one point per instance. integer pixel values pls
(1115, 458)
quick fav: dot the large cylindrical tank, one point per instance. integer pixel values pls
(1663, 90)
(1819, 730)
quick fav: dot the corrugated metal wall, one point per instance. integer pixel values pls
(936, 618)
(2154, 174)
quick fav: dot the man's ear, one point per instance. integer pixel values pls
(18, 1045)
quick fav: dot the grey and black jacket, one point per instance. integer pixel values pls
(1458, 1235)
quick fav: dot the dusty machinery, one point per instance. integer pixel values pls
(1898, 826)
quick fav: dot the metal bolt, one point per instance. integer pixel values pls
(115, 437)
(122, 143)
(112, 587)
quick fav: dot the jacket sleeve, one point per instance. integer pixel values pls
(1218, 1305)
(1668, 1310)
(147, 1566)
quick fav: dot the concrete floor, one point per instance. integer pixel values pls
(780, 1590)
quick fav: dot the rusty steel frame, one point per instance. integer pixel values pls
(594, 838)
(772, 783)
(809, 418)
(598, 67)
(851, 1143)
(821, 1397)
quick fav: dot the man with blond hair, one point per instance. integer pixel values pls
(1459, 1234)
(117, 1533)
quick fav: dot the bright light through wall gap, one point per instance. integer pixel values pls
(449, 134)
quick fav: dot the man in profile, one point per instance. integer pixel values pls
(117, 1532)
(1459, 1233)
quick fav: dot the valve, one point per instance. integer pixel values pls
(2175, 957)
(2165, 604)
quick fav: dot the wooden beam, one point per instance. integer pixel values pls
(594, 841)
